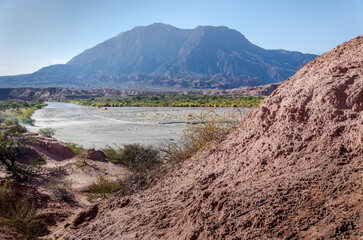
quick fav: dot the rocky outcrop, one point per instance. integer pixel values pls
(96, 155)
(291, 170)
(54, 147)
(85, 216)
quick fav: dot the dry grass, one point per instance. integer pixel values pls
(202, 129)
(20, 215)
(62, 189)
(103, 187)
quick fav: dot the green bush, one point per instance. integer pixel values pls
(14, 154)
(20, 110)
(175, 100)
(47, 132)
(76, 148)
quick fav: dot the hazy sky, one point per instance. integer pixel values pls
(37, 33)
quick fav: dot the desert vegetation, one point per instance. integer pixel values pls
(76, 148)
(144, 162)
(20, 162)
(202, 129)
(19, 213)
(174, 100)
(133, 156)
(21, 110)
(61, 189)
(47, 132)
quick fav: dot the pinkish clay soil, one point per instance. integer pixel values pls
(61, 165)
(293, 169)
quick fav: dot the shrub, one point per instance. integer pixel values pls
(103, 187)
(202, 129)
(134, 156)
(13, 150)
(76, 148)
(62, 190)
(20, 214)
(47, 132)
(82, 160)
(132, 183)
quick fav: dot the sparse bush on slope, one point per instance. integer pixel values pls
(47, 132)
(134, 156)
(202, 129)
(76, 148)
(20, 215)
(14, 154)
(62, 189)
(144, 162)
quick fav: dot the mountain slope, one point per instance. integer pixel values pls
(292, 169)
(167, 57)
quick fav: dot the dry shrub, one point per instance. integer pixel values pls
(82, 160)
(62, 189)
(103, 187)
(132, 183)
(144, 163)
(20, 215)
(202, 129)
(134, 156)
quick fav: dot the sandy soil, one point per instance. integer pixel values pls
(78, 172)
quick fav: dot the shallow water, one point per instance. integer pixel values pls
(94, 127)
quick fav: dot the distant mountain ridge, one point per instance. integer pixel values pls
(163, 56)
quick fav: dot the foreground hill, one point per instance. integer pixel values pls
(161, 56)
(291, 170)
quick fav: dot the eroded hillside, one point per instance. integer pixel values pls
(292, 169)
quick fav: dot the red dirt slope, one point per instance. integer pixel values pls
(298, 158)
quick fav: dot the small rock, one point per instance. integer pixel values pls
(85, 216)
(96, 155)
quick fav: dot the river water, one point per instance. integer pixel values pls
(94, 127)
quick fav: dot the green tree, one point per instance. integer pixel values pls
(12, 143)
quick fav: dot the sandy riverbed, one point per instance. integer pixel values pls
(96, 127)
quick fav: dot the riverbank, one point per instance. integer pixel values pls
(21, 110)
(174, 100)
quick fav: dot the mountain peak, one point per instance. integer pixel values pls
(163, 50)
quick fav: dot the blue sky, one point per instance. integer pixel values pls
(38, 33)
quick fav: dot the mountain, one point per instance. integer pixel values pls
(162, 56)
(292, 169)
